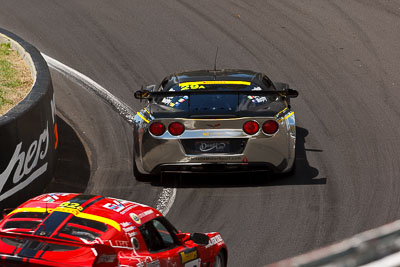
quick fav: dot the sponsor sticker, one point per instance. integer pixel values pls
(128, 209)
(54, 196)
(166, 100)
(117, 205)
(125, 224)
(135, 218)
(129, 229)
(215, 240)
(131, 234)
(145, 213)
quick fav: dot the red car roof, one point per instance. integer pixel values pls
(116, 209)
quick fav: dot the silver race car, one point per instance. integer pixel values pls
(215, 120)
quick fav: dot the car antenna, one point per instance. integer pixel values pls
(215, 62)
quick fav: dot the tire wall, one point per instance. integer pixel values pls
(28, 132)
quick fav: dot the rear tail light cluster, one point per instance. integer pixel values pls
(174, 128)
(269, 127)
(251, 127)
(157, 128)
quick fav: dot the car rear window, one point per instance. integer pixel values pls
(89, 223)
(79, 228)
(21, 224)
(214, 103)
(79, 233)
(33, 215)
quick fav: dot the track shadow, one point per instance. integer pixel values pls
(304, 174)
(72, 171)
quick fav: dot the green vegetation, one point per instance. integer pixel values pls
(14, 83)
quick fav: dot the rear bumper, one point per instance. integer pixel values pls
(258, 152)
(218, 167)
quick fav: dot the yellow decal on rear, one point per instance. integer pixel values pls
(30, 210)
(200, 85)
(100, 219)
(143, 118)
(67, 210)
(75, 212)
(287, 116)
(280, 112)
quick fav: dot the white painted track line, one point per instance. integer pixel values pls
(167, 196)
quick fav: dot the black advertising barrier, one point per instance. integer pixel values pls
(28, 133)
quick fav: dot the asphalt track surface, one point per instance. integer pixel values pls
(342, 56)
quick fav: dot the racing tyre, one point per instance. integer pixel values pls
(219, 260)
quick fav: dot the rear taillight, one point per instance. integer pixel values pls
(157, 128)
(176, 128)
(270, 127)
(251, 127)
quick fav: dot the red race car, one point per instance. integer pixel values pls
(63, 229)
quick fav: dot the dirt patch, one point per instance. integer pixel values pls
(15, 78)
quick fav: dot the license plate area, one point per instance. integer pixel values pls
(214, 146)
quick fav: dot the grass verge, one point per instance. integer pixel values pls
(15, 78)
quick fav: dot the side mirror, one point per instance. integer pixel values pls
(200, 238)
(143, 93)
(291, 93)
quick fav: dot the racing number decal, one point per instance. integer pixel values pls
(70, 205)
(192, 86)
(200, 85)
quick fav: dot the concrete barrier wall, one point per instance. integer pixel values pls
(28, 132)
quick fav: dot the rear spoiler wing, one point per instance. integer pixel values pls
(107, 256)
(145, 94)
